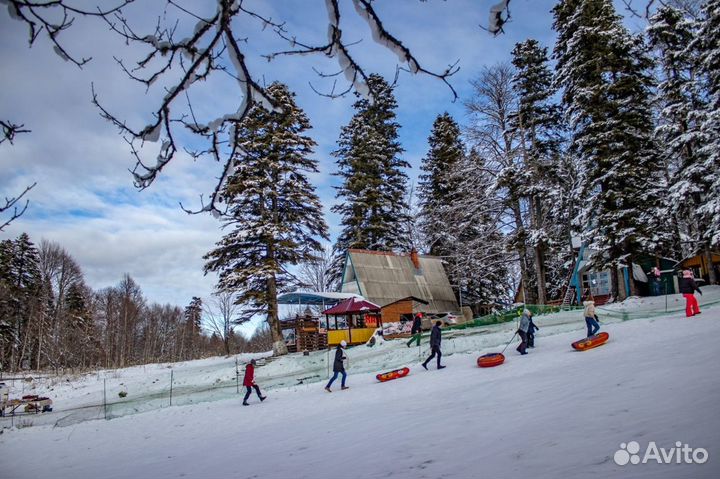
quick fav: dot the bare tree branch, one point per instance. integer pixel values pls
(9, 130)
(17, 211)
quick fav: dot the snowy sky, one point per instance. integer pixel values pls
(84, 198)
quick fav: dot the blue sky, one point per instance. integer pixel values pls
(85, 199)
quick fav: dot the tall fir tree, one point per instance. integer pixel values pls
(373, 207)
(603, 71)
(435, 188)
(708, 47)
(537, 123)
(679, 129)
(275, 216)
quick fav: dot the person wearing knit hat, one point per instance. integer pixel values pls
(339, 366)
(687, 288)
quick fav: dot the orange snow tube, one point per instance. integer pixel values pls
(491, 359)
(591, 342)
(389, 376)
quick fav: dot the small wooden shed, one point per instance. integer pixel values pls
(403, 309)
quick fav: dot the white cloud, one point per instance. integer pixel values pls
(85, 200)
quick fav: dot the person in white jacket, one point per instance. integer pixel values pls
(591, 318)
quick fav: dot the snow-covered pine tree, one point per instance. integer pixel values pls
(537, 124)
(373, 206)
(478, 262)
(603, 71)
(679, 129)
(708, 45)
(21, 282)
(435, 188)
(275, 216)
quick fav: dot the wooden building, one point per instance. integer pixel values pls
(403, 309)
(386, 278)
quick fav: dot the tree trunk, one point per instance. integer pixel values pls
(279, 347)
(712, 277)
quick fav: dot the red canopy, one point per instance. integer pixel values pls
(353, 306)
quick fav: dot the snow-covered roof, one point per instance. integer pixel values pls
(315, 298)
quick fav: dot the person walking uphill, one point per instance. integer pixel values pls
(249, 382)
(416, 330)
(435, 339)
(591, 318)
(531, 332)
(339, 366)
(523, 331)
(687, 289)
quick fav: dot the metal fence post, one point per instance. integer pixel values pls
(237, 377)
(171, 385)
(104, 398)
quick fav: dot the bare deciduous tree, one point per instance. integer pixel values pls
(221, 316)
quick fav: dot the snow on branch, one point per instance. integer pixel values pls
(497, 20)
(213, 48)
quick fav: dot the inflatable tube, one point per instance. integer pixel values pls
(491, 359)
(389, 376)
(591, 342)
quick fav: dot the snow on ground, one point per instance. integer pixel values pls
(553, 413)
(148, 387)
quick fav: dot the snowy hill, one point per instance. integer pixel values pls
(553, 413)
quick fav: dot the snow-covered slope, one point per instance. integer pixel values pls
(553, 413)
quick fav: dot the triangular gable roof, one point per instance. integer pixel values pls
(353, 306)
(386, 277)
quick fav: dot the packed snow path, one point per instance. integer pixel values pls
(553, 413)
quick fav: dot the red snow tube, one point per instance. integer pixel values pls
(389, 376)
(591, 342)
(491, 359)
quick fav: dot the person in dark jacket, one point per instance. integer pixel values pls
(339, 366)
(249, 382)
(531, 333)
(687, 289)
(654, 277)
(435, 339)
(416, 330)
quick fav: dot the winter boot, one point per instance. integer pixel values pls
(328, 389)
(425, 366)
(262, 398)
(345, 387)
(442, 367)
(245, 403)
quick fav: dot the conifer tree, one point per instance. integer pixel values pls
(435, 189)
(373, 207)
(708, 46)
(603, 71)
(537, 123)
(275, 217)
(679, 128)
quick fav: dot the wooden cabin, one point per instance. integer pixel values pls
(390, 279)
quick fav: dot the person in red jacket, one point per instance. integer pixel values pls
(249, 382)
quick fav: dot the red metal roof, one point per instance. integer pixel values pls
(352, 306)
